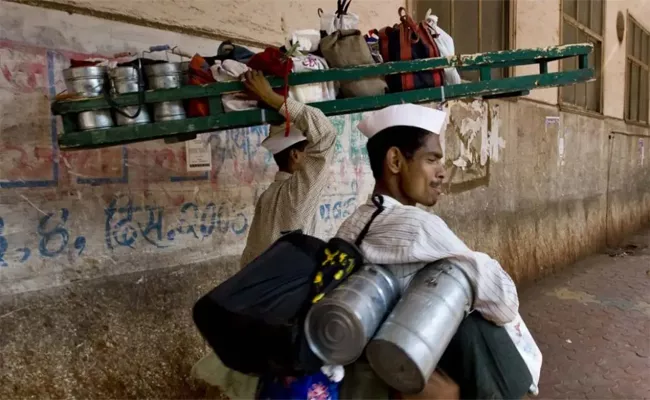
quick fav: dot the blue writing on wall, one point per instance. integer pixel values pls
(53, 238)
(339, 210)
(3, 244)
(80, 244)
(54, 235)
(126, 223)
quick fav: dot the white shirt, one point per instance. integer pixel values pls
(291, 201)
(404, 239)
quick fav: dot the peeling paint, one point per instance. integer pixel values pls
(496, 142)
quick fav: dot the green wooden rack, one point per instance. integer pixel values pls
(486, 88)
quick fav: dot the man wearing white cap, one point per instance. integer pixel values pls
(303, 158)
(406, 160)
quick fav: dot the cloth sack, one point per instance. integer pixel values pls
(228, 71)
(273, 62)
(445, 45)
(313, 92)
(199, 73)
(229, 51)
(347, 48)
(308, 40)
(372, 39)
(339, 19)
(405, 42)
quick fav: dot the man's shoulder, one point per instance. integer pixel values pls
(407, 218)
(269, 198)
(414, 214)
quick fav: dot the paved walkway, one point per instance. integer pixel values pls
(592, 323)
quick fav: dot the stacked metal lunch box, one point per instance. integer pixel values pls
(404, 338)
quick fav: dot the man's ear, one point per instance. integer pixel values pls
(394, 160)
(293, 154)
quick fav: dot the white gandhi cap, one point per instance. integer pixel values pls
(278, 141)
(403, 115)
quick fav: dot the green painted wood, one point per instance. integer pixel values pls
(508, 94)
(485, 73)
(69, 122)
(216, 106)
(583, 61)
(126, 134)
(498, 59)
(543, 67)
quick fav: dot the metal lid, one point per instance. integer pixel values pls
(162, 69)
(334, 333)
(84, 72)
(124, 73)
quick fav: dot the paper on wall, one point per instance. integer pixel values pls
(198, 153)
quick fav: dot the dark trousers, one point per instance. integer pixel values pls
(484, 362)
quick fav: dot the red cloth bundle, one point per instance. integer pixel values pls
(199, 74)
(273, 62)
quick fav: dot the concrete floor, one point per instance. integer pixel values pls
(132, 335)
(592, 323)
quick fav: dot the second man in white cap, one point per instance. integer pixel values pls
(303, 158)
(406, 160)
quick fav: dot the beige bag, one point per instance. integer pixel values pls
(348, 48)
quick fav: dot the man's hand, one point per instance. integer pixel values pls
(258, 86)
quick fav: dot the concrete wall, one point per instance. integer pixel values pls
(249, 21)
(104, 252)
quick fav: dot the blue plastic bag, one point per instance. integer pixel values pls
(311, 387)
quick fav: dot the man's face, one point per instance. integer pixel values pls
(422, 176)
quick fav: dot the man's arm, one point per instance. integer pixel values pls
(495, 294)
(306, 185)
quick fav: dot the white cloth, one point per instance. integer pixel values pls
(527, 348)
(308, 40)
(228, 71)
(312, 92)
(335, 373)
(445, 44)
(406, 238)
(403, 115)
(330, 23)
(237, 102)
(278, 141)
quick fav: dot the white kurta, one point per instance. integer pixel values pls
(291, 201)
(406, 238)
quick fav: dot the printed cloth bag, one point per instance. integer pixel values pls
(312, 92)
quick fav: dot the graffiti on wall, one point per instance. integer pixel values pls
(126, 225)
(130, 226)
(53, 238)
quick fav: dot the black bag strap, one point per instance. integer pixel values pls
(378, 201)
(342, 7)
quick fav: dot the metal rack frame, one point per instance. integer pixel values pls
(486, 88)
